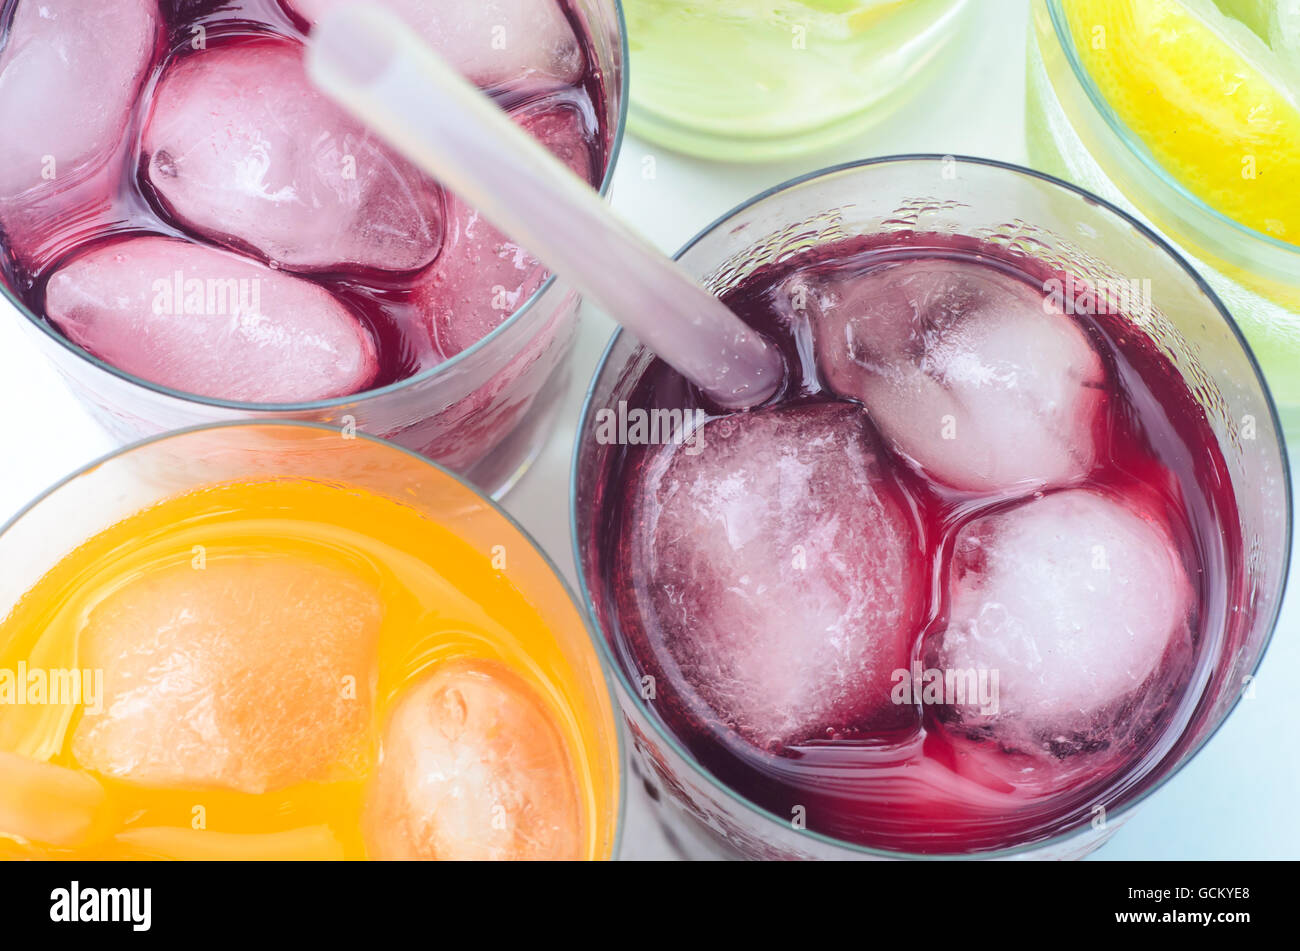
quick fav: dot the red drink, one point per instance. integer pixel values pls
(960, 585)
(180, 202)
(418, 276)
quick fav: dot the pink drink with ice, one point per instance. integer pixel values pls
(959, 585)
(179, 201)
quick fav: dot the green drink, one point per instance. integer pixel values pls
(755, 79)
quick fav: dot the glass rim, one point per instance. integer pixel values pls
(1136, 146)
(585, 617)
(702, 772)
(351, 399)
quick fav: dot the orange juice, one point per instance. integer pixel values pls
(299, 669)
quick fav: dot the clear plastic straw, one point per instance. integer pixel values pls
(373, 65)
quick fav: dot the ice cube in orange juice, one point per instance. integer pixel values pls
(246, 673)
(472, 767)
(277, 660)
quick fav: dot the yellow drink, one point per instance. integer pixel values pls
(1225, 125)
(256, 642)
(1187, 112)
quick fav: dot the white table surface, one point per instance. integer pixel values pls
(1235, 800)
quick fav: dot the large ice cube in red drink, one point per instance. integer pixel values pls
(489, 41)
(249, 674)
(241, 148)
(69, 75)
(1081, 604)
(209, 322)
(482, 277)
(473, 768)
(778, 572)
(966, 370)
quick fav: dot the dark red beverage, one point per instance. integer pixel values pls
(960, 584)
(186, 149)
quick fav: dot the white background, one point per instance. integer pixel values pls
(1237, 799)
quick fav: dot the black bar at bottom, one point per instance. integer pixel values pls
(438, 902)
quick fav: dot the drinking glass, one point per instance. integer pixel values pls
(757, 79)
(485, 413)
(1030, 213)
(175, 464)
(1073, 132)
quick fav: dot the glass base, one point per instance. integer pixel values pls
(765, 102)
(760, 147)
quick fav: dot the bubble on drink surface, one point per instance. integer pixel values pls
(778, 572)
(969, 372)
(250, 674)
(69, 75)
(210, 322)
(1082, 605)
(472, 767)
(489, 41)
(482, 277)
(241, 148)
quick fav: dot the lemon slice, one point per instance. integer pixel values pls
(1206, 95)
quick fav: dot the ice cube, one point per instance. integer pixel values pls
(1082, 605)
(779, 573)
(482, 277)
(472, 768)
(241, 148)
(209, 322)
(70, 72)
(489, 41)
(561, 126)
(46, 803)
(971, 373)
(249, 674)
(69, 75)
